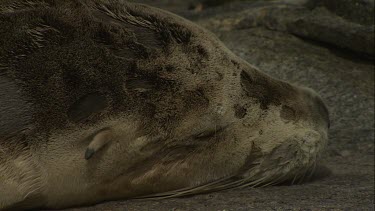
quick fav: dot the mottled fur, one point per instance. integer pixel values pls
(184, 114)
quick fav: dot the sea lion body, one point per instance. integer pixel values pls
(104, 100)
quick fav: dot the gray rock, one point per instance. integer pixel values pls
(322, 25)
(318, 24)
(357, 11)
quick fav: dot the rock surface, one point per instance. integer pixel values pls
(321, 25)
(324, 45)
(358, 11)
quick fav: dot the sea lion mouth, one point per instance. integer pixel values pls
(262, 168)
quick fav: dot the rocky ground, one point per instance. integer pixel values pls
(327, 45)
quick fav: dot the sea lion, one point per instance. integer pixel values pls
(105, 100)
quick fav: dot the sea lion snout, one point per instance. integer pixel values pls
(296, 104)
(323, 110)
(318, 108)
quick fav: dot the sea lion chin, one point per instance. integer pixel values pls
(105, 100)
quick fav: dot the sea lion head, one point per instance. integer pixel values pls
(118, 100)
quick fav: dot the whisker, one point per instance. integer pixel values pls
(294, 179)
(312, 171)
(303, 176)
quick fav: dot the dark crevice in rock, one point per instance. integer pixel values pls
(344, 53)
(324, 26)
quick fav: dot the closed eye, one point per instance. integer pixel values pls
(211, 132)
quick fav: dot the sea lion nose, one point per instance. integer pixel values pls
(318, 106)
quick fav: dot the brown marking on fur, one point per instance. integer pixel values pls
(202, 51)
(235, 63)
(266, 90)
(287, 113)
(239, 111)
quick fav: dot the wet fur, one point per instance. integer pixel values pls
(185, 114)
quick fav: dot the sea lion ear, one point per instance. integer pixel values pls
(98, 141)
